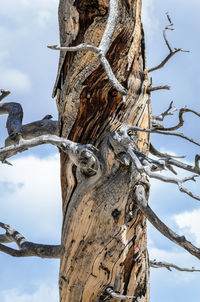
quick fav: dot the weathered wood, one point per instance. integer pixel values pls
(104, 234)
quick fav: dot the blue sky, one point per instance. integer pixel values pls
(30, 192)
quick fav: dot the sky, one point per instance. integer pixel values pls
(30, 197)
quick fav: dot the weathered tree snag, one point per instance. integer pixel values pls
(103, 234)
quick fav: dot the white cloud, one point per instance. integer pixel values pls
(14, 80)
(30, 196)
(43, 293)
(189, 223)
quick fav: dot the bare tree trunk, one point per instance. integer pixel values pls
(104, 233)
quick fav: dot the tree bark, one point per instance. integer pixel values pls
(104, 233)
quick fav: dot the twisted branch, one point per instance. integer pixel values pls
(103, 47)
(171, 51)
(26, 248)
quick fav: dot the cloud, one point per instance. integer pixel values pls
(30, 197)
(189, 223)
(14, 80)
(43, 293)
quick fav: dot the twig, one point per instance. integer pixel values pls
(169, 266)
(171, 51)
(114, 295)
(140, 198)
(103, 47)
(26, 248)
(169, 111)
(181, 121)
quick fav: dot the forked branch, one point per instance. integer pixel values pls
(171, 51)
(26, 248)
(140, 198)
(169, 266)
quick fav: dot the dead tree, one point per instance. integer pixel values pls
(103, 134)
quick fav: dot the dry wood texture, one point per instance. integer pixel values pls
(104, 234)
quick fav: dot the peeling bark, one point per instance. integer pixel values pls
(104, 234)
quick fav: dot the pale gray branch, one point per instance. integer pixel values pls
(176, 181)
(82, 155)
(169, 266)
(114, 295)
(26, 248)
(140, 198)
(103, 47)
(110, 26)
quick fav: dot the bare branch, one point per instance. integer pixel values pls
(103, 47)
(176, 181)
(169, 111)
(181, 121)
(82, 155)
(110, 26)
(114, 295)
(165, 87)
(26, 248)
(136, 128)
(171, 51)
(140, 198)
(169, 266)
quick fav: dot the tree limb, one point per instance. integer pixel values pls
(171, 51)
(181, 120)
(176, 181)
(103, 47)
(83, 156)
(139, 197)
(169, 266)
(136, 128)
(26, 248)
(165, 87)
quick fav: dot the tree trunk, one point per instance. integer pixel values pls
(104, 234)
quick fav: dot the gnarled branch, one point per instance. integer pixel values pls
(140, 198)
(26, 248)
(84, 156)
(103, 47)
